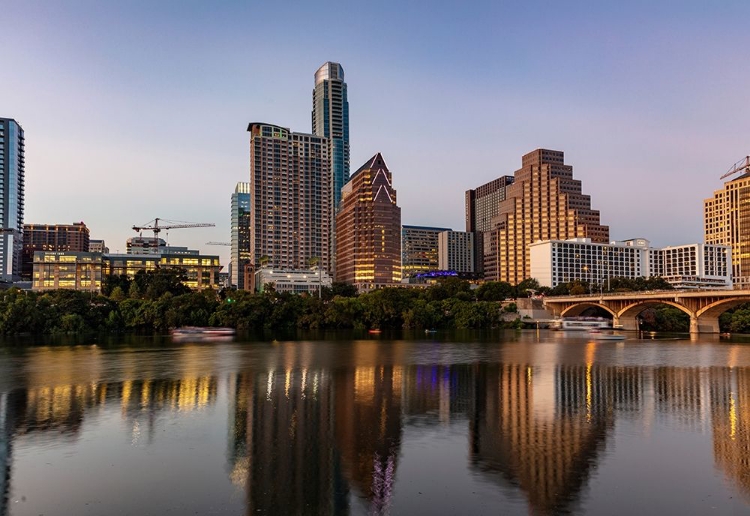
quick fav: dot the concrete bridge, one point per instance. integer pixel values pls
(703, 306)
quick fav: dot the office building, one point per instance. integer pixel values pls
(98, 246)
(482, 206)
(73, 270)
(52, 237)
(12, 171)
(296, 282)
(726, 221)
(543, 203)
(330, 119)
(456, 251)
(240, 242)
(419, 249)
(290, 198)
(368, 237)
(579, 259)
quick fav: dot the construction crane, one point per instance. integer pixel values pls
(219, 243)
(158, 225)
(742, 165)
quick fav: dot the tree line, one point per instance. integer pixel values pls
(156, 301)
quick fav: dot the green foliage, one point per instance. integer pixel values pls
(495, 291)
(664, 318)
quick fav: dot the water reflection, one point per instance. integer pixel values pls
(312, 434)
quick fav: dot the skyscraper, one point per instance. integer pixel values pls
(543, 203)
(330, 119)
(369, 228)
(240, 234)
(419, 249)
(726, 218)
(483, 205)
(290, 198)
(11, 198)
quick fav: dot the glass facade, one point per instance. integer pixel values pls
(12, 170)
(240, 250)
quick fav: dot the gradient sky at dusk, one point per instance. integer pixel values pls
(140, 110)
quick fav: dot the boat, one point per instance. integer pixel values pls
(201, 333)
(427, 332)
(597, 334)
(581, 323)
(374, 331)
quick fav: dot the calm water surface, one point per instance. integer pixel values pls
(521, 423)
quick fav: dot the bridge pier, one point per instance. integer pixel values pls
(707, 324)
(628, 323)
(694, 327)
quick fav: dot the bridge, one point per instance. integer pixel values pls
(703, 306)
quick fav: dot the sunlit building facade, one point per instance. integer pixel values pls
(482, 206)
(295, 282)
(52, 237)
(726, 221)
(543, 203)
(12, 174)
(54, 270)
(456, 251)
(291, 206)
(98, 246)
(419, 249)
(369, 228)
(240, 243)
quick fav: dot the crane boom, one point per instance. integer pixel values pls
(742, 165)
(156, 227)
(218, 243)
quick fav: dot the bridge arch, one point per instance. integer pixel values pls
(708, 316)
(578, 308)
(627, 316)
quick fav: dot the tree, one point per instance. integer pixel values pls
(522, 289)
(495, 291)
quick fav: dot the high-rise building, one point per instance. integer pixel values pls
(456, 251)
(330, 119)
(290, 198)
(52, 237)
(726, 221)
(419, 249)
(240, 234)
(543, 203)
(482, 206)
(12, 170)
(368, 237)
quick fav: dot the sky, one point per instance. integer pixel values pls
(136, 110)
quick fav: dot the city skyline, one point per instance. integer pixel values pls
(133, 95)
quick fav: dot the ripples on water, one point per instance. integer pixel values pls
(522, 423)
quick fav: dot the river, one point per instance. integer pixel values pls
(515, 422)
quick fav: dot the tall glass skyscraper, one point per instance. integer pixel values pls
(11, 198)
(330, 119)
(240, 234)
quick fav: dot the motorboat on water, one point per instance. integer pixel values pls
(202, 333)
(581, 323)
(598, 334)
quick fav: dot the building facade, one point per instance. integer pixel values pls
(482, 207)
(52, 237)
(330, 119)
(368, 237)
(554, 262)
(291, 206)
(12, 177)
(419, 249)
(726, 221)
(240, 242)
(98, 246)
(85, 270)
(456, 251)
(296, 282)
(543, 203)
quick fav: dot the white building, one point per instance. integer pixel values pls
(456, 251)
(292, 281)
(690, 266)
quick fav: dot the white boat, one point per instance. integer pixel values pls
(199, 333)
(581, 323)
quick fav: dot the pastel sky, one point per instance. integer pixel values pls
(139, 109)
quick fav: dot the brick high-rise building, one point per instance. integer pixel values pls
(291, 206)
(726, 221)
(543, 203)
(52, 237)
(368, 237)
(482, 206)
